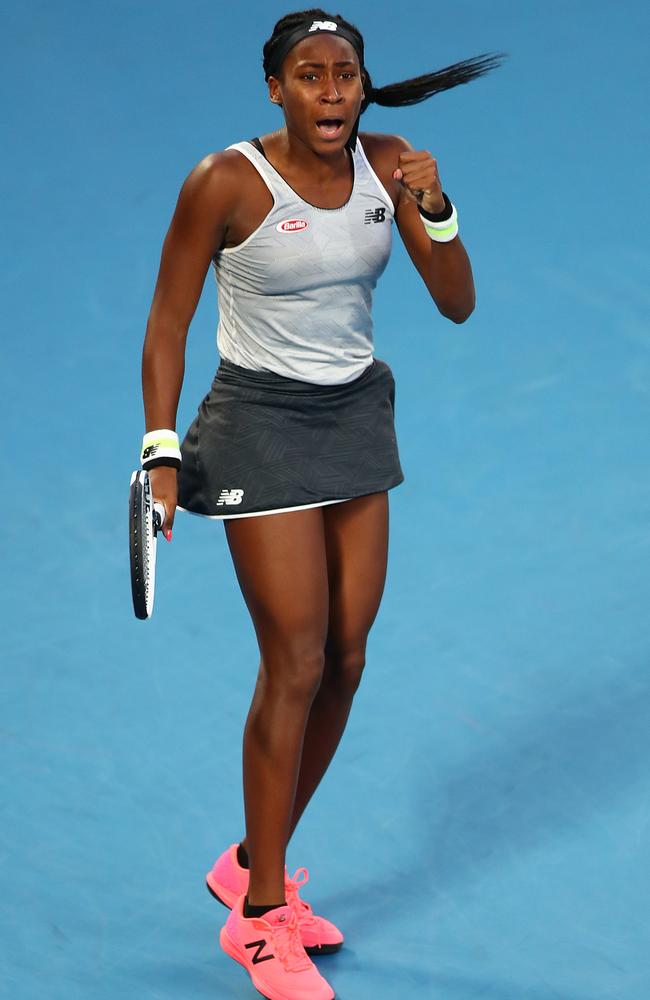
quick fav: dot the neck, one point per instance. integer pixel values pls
(322, 166)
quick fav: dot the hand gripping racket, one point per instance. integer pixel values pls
(146, 519)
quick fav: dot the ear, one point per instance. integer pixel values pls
(274, 91)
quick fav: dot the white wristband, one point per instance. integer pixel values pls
(442, 232)
(160, 448)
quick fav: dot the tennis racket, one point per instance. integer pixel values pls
(146, 519)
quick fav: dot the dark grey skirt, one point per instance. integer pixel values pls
(263, 443)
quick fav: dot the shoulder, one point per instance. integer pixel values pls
(382, 152)
(213, 172)
(216, 183)
(382, 140)
(380, 146)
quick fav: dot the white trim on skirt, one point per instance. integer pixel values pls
(260, 513)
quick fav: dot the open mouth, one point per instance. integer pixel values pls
(331, 127)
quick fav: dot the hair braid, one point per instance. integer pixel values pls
(394, 95)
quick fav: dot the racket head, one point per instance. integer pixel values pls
(144, 522)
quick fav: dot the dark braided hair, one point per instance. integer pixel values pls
(394, 95)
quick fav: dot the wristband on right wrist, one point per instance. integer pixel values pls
(160, 448)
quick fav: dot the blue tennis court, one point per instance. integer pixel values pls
(484, 830)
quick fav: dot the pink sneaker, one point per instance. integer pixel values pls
(228, 880)
(270, 950)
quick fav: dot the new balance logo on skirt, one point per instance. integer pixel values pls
(230, 497)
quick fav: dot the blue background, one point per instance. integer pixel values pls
(484, 830)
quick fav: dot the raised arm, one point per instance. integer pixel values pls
(444, 267)
(197, 230)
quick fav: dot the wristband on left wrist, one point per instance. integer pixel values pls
(441, 227)
(441, 216)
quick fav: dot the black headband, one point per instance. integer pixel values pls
(307, 30)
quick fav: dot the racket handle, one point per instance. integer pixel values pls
(158, 516)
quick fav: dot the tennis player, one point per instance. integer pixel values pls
(294, 446)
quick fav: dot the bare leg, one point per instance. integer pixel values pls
(281, 565)
(356, 539)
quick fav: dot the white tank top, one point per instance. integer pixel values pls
(295, 297)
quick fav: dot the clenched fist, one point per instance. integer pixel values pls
(418, 174)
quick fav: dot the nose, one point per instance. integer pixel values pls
(330, 91)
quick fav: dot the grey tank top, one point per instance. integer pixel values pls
(295, 297)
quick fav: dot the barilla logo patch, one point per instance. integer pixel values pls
(292, 225)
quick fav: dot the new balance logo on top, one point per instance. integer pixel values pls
(324, 26)
(230, 497)
(258, 957)
(375, 215)
(149, 451)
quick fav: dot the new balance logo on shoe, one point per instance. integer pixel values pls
(375, 215)
(258, 956)
(230, 497)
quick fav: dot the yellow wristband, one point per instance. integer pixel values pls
(160, 448)
(442, 232)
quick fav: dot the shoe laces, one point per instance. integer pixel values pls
(287, 945)
(303, 910)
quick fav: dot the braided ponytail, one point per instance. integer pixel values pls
(399, 95)
(394, 95)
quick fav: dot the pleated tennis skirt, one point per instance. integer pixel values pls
(262, 443)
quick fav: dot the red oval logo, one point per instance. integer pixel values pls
(292, 225)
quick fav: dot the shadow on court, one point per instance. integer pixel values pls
(550, 777)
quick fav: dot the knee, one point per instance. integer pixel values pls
(293, 671)
(343, 671)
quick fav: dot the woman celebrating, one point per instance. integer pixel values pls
(294, 446)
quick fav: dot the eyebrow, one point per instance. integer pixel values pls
(309, 62)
